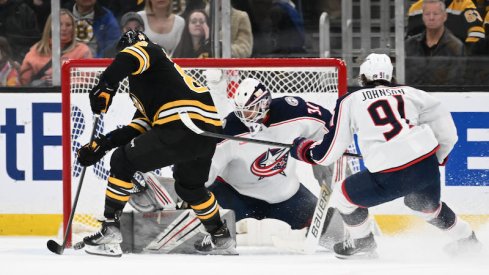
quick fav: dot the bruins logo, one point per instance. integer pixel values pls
(138, 104)
(84, 30)
(472, 16)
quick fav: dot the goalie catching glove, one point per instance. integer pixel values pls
(101, 97)
(300, 150)
(92, 152)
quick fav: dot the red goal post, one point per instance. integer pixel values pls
(321, 80)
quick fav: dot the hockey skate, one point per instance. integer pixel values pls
(105, 242)
(356, 248)
(218, 243)
(465, 246)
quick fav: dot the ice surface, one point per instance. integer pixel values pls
(414, 253)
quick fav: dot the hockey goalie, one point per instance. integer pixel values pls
(260, 183)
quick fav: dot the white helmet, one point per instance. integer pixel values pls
(251, 103)
(377, 67)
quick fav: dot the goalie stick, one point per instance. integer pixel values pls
(184, 116)
(52, 245)
(323, 214)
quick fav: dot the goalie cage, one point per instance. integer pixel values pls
(319, 80)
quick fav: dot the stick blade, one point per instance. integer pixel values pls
(189, 123)
(55, 247)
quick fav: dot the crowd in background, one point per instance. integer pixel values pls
(443, 38)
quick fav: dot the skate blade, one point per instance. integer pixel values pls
(224, 252)
(359, 256)
(107, 250)
(228, 250)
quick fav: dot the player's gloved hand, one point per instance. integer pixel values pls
(92, 152)
(101, 97)
(301, 150)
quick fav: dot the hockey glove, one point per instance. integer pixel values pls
(101, 97)
(92, 152)
(301, 150)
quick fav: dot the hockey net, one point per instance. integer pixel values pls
(317, 80)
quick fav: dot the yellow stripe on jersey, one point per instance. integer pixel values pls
(138, 46)
(194, 116)
(141, 124)
(178, 103)
(118, 182)
(137, 127)
(196, 109)
(142, 56)
(140, 59)
(116, 197)
(215, 122)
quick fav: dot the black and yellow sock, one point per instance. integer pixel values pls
(208, 213)
(116, 196)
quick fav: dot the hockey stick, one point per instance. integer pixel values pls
(318, 219)
(53, 246)
(184, 116)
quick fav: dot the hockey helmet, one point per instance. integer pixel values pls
(130, 38)
(377, 67)
(251, 103)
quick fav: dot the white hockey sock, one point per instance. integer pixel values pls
(460, 229)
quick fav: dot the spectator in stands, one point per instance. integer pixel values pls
(162, 26)
(42, 8)
(463, 20)
(191, 5)
(119, 8)
(96, 25)
(277, 28)
(129, 21)
(36, 68)
(19, 25)
(9, 76)
(435, 56)
(195, 41)
(241, 34)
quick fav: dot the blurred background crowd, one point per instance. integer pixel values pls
(433, 42)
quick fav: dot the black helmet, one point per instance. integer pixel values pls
(130, 38)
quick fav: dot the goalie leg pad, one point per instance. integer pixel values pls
(253, 232)
(154, 193)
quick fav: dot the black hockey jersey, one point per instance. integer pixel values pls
(463, 20)
(160, 89)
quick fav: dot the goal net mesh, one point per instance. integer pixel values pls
(317, 80)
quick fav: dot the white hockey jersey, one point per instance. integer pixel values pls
(396, 127)
(267, 172)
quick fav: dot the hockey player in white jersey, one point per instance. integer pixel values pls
(260, 181)
(404, 134)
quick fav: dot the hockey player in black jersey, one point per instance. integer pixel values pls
(155, 138)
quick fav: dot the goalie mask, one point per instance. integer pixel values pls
(130, 38)
(251, 103)
(376, 67)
